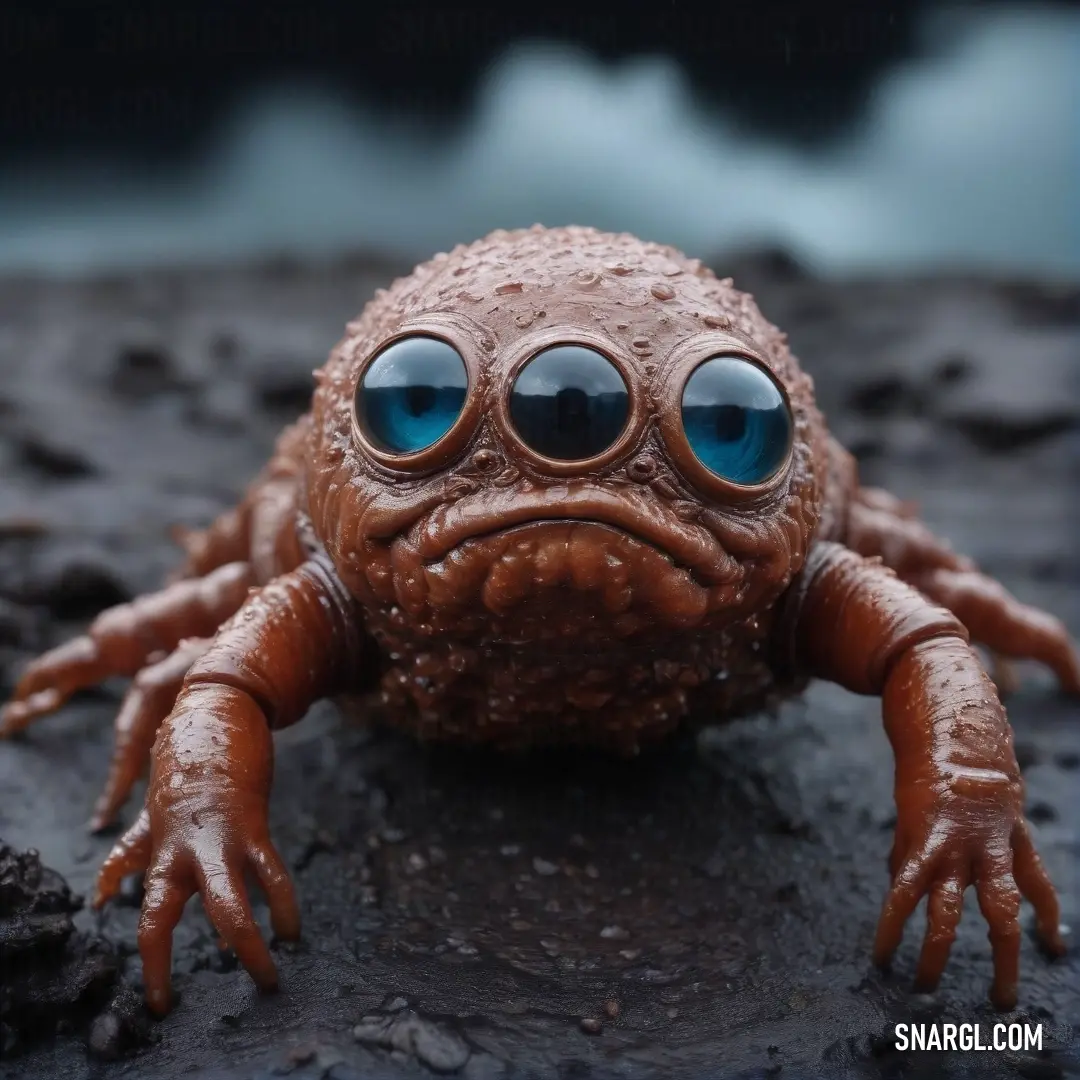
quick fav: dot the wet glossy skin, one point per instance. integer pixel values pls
(446, 550)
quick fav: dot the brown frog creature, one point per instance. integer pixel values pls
(558, 486)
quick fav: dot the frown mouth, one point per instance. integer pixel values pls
(634, 514)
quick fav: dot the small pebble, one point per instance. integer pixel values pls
(615, 933)
(544, 868)
(591, 1026)
(300, 1055)
(611, 1009)
(106, 1037)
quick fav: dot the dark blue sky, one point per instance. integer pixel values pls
(967, 156)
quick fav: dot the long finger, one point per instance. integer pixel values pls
(280, 893)
(130, 855)
(50, 680)
(1001, 622)
(169, 886)
(1034, 882)
(908, 887)
(943, 910)
(148, 701)
(226, 902)
(999, 901)
(898, 852)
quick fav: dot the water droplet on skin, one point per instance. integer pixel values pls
(717, 322)
(508, 287)
(471, 297)
(524, 320)
(619, 270)
(588, 279)
(640, 345)
(663, 292)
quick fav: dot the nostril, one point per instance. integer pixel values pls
(486, 461)
(642, 468)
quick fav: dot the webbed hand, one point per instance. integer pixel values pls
(960, 817)
(203, 828)
(969, 830)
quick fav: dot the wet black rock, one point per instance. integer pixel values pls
(123, 1027)
(144, 369)
(51, 977)
(51, 461)
(455, 904)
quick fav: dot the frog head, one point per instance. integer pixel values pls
(564, 435)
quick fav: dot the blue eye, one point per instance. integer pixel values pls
(736, 420)
(411, 394)
(569, 402)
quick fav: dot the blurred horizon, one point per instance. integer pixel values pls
(963, 156)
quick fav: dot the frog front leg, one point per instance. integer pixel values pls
(205, 824)
(959, 795)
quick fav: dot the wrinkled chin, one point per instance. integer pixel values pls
(546, 580)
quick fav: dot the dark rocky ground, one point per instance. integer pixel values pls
(710, 909)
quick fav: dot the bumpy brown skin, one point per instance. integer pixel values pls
(484, 592)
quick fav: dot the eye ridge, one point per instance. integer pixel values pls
(411, 394)
(736, 419)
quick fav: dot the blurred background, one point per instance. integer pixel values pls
(855, 137)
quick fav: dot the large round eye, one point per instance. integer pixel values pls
(411, 394)
(569, 402)
(736, 420)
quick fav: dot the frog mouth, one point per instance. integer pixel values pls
(685, 545)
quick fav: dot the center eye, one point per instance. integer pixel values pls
(411, 394)
(569, 402)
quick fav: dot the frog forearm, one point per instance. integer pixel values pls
(290, 644)
(944, 720)
(216, 739)
(848, 619)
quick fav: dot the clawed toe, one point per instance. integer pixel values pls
(17, 716)
(130, 855)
